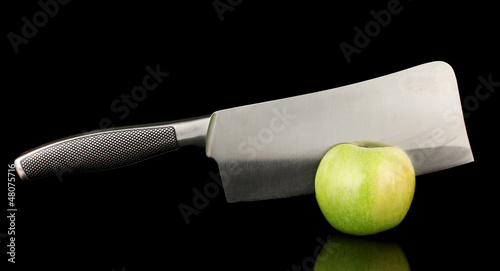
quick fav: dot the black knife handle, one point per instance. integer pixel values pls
(106, 149)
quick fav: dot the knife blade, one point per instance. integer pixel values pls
(272, 149)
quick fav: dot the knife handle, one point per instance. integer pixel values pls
(110, 148)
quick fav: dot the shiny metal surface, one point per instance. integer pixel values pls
(191, 131)
(271, 149)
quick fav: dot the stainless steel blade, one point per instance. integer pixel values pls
(272, 149)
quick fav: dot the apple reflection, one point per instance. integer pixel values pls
(344, 252)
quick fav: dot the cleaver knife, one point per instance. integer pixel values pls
(272, 149)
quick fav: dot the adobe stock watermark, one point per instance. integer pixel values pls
(249, 147)
(121, 107)
(363, 36)
(422, 156)
(483, 91)
(222, 7)
(201, 198)
(258, 142)
(31, 26)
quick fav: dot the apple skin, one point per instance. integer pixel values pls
(364, 187)
(345, 252)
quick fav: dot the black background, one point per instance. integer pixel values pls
(65, 78)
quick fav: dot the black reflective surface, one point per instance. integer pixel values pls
(84, 67)
(344, 252)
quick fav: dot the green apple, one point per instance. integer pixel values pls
(364, 187)
(343, 252)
